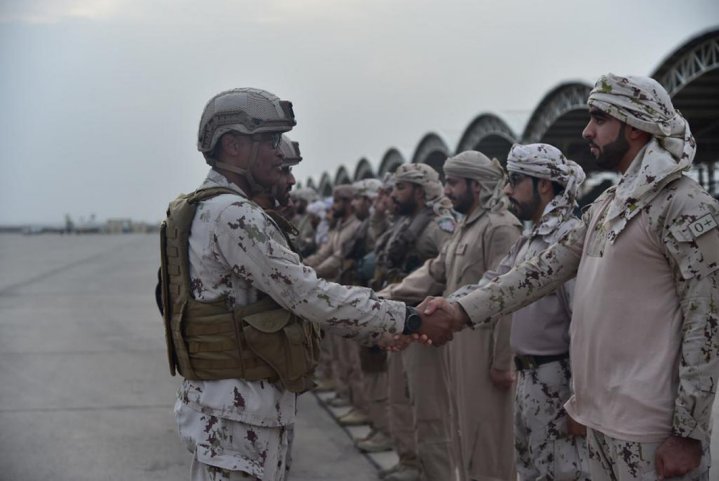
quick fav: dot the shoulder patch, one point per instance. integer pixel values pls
(703, 225)
(446, 224)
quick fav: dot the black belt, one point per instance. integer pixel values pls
(533, 362)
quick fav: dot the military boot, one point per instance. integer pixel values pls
(375, 443)
(354, 417)
(403, 473)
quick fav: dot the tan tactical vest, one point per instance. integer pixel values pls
(208, 341)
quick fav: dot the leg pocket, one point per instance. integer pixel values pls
(238, 447)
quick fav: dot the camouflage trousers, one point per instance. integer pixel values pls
(227, 450)
(611, 459)
(544, 451)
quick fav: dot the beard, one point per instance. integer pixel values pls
(463, 203)
(612, 153)
(525, 210)
(339, 212)
(405, 208)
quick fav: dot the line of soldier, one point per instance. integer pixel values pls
(496, 400)
(449, 410)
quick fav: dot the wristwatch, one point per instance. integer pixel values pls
(412, 321)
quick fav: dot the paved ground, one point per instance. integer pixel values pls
(85, 393)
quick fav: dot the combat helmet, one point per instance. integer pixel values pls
(290, 152)
(247, 111)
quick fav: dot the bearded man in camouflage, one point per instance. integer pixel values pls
(237, 300)
(469, 382)
(644, 340)
(542, 189)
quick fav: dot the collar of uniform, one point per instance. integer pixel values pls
(346, 222)
(215, 179)
(474, 215)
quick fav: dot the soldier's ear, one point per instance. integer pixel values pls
(476, 189)
(544, 186)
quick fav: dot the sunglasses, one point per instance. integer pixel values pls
(273, 138)
(513, 179)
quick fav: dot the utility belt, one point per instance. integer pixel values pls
(523, 363)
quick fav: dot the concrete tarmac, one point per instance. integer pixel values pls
(85, 391)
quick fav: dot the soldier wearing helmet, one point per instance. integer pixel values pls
(278, 196)
(235, 299)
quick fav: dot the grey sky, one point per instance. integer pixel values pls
(101, 98)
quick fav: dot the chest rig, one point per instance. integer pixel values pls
(208, 340)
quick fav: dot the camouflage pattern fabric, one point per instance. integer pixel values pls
(644, 104)
(545, 161)
(367, 187)
(239, 253)
(226, 450)
(544, 449)
(683, 220)
(613, 460)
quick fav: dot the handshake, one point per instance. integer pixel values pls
(439, 320)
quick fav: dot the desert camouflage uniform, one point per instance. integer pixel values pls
(645, 343)
(683, 221)
(238, 252)
(543, 448)
(633, 461)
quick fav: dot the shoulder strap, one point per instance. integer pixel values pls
(203, 194)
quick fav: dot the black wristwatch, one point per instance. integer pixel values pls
(412, 321)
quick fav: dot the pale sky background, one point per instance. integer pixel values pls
(100, 99)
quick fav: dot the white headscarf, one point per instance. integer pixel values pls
(644, 104)
(367, 187)
(545, 161)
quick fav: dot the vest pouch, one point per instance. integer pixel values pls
(280, 339)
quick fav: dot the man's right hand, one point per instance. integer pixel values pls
(441, 319)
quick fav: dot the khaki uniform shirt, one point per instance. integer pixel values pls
(238, 252)
(306, 233)
(327, 262)
(481, 413)
(430, 241)
(654, 348)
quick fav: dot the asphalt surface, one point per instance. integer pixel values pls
(85, 392)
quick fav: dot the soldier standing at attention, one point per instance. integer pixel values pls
(328, 262)
(372, 361)
(236, 300)
(542, 188)
(302, 219)
(425, 223)
(644, 338)
(470, 381)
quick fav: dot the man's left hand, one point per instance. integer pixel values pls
(677, 456)
(502, 379)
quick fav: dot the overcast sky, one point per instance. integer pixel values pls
(100, 99)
